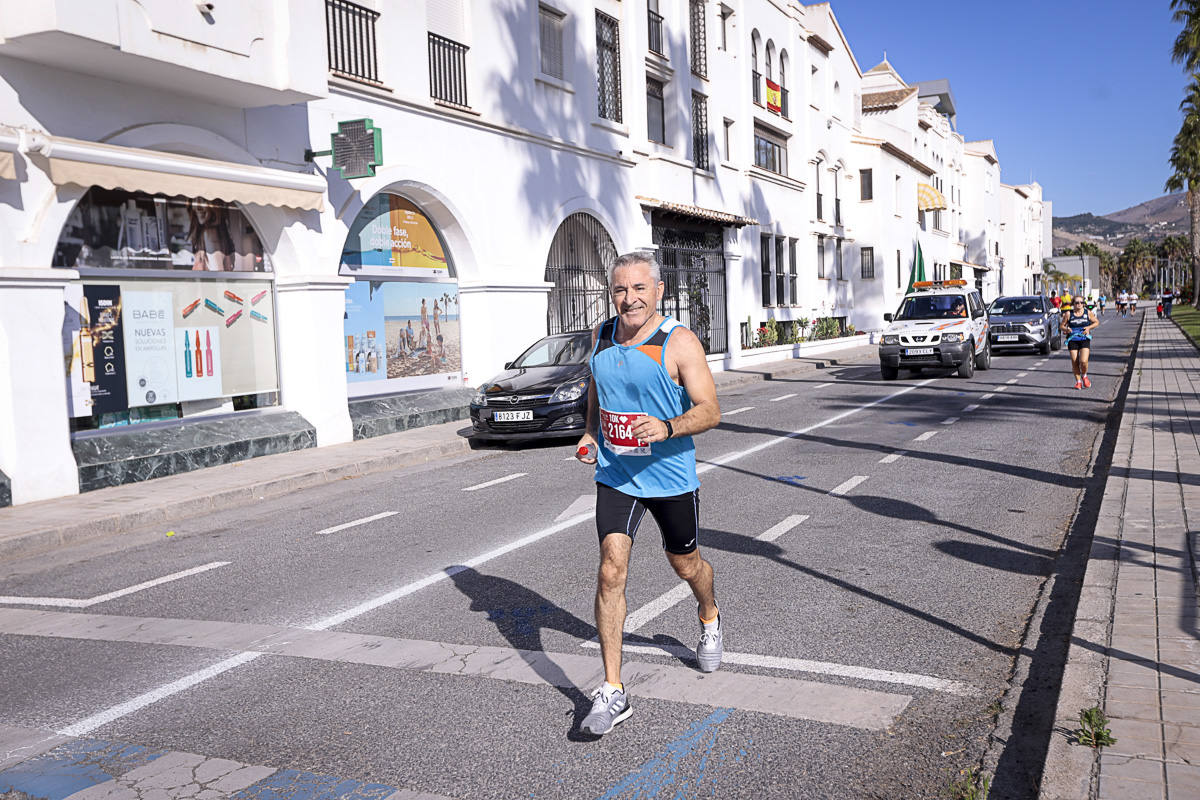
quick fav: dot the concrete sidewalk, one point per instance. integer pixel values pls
(1135, 647)
(35, 527)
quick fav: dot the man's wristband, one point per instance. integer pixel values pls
(670, 429)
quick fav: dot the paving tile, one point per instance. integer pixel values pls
(1122, 710)
(1124, 789)
(1137, 730)
(1183, 752)
(1138, 769)
(1184, 780)
(1125, 694)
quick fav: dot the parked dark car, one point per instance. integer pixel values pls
(542, 394)
(1024, 321)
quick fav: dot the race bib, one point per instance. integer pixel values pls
(617, 427)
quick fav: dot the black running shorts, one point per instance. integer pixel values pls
(1079, 344)
(678, 516)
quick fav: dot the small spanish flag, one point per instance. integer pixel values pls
(773, 99)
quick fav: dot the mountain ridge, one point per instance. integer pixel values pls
(1151, 220)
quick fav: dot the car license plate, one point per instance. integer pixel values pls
(513, 416)
(919, 351)
(1006, 337)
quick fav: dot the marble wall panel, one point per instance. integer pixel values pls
(378, 416)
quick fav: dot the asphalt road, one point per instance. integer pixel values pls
(878, 549)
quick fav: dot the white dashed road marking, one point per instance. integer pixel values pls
(736, 411)
(949, 420)
(926, 436)
(970, 408)
(999, 388)
(775, 531)
(486, 484)
(1010, 381)
(892, 458)
(356, 522)
(847, 485)
(65, 602)
(987, 396)
(1022, 374)
(823, 385)
(781, 397)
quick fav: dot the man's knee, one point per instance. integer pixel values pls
(688, 566)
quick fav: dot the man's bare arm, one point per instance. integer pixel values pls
(591, 433)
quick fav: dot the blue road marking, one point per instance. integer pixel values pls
(73, 767)
(791, 480)
(291, 784)
(902, 422)
(660, 775)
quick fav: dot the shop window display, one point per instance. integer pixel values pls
(149, 333)
(401, 321)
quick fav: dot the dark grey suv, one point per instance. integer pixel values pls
(1024, 321)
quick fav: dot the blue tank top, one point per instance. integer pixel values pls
(633, 380)
(1077, 322)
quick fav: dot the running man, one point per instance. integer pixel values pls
(651, 392)
(1079, 323)
(1103, 301)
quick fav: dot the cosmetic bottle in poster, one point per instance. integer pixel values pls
(187, 357)
(199, 358)
(208, 352)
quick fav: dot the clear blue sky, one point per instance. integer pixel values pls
(1083, 94)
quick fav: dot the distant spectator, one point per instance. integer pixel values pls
(1055, 300)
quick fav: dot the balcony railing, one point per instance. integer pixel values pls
(783, 102)
(756, 84)
(448, 70)
(654, 25)
(350, 40)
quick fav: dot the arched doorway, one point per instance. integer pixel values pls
(577, 265)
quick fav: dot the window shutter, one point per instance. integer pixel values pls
(446, 18)
(551, 26)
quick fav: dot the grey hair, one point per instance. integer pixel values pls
(636, 257)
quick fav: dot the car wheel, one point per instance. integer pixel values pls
(967, 368)
(984, 359)
(888, 373)
(1044, 347)
(1057, 343)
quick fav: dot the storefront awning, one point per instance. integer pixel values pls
(968, 264)
(695, 212)
(929, 198)
(71, 161)
(8, 167)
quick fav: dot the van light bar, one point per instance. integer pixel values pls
(931, 284)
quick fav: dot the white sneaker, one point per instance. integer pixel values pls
(711, 647)
(610, 707)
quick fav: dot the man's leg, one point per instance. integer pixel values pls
(610, 601)
(699, 575)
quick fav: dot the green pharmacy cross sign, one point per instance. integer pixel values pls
(357, 148)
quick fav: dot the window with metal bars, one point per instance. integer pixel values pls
(765, 267)
(654, 27)
(550, 25)
(656, 129)
(448, 70)
(608, 67)
(350, 40)
(868, 262)
(780, 274)
(699, 43)
(700, 130)
(793, 276)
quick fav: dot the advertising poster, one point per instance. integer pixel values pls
(391, 237)
(149, 348)
(112, 228)
(123, 343)
(366, 352)
(105, 370)
(198, 362)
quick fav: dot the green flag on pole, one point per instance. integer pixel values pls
(918, 270)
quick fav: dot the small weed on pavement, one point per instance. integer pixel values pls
(1093, 728)
(972, 784)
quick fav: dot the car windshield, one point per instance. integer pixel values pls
(933, 306)
(556, 351)
(1017, 305)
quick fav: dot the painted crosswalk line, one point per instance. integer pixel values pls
(66, 602)
(785, 697)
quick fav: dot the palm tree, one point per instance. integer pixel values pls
(1185, 151)
(1185, 176)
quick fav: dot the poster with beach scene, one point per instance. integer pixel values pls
(422, 329)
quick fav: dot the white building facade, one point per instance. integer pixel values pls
(188, 285)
